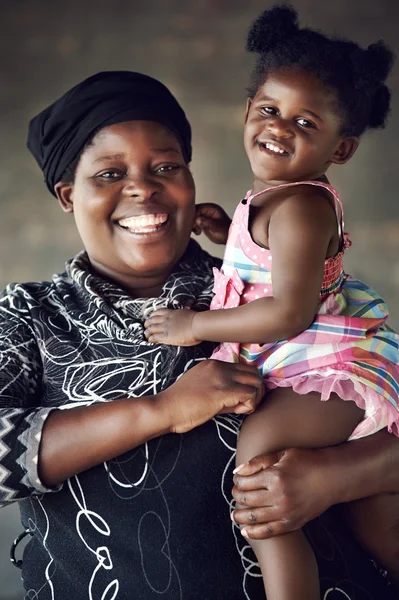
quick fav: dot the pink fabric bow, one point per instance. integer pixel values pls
(227, 289)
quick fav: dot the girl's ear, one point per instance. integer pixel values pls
(345, 150)
(248, 106)
(64, 195)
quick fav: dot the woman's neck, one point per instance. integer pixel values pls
(134, 286)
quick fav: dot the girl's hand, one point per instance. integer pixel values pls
(209, 388)
(213, 221)
(172, 327)
(282, 490)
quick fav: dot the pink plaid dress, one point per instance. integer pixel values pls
(347, 350)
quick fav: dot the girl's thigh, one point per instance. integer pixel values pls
(286, 419)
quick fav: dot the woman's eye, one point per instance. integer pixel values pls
(305, 123)
(167, 168)
(110, 175)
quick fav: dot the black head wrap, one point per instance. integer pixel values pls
(59, 133)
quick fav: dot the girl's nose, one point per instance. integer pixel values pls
(280, 127)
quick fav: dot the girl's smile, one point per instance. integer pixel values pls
(293, 129)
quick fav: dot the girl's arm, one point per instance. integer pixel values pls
(299, 234)
(285, 490)
(213, 221)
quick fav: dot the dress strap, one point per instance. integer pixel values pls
(339, 211)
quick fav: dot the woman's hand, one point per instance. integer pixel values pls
(172, 327)
(209, 388)
(213, 221)
(282, 490)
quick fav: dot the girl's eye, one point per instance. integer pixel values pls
(305, 123)
(269, 110)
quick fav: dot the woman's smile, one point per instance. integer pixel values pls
(144, 224)
(133, 202)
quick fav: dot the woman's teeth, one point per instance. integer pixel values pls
(143, 223)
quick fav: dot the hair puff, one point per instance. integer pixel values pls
(271, 27)
(356, 75)
(379, 108)
(380, 60)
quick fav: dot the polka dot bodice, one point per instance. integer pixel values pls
(246, 273)
(346, 350)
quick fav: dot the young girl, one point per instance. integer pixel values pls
(282, 300)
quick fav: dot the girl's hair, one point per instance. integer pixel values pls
(357, 76)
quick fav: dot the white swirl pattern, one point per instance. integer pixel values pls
(154, 522)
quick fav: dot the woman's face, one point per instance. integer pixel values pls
(133, 201)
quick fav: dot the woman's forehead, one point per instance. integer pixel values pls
(129, 130)
(132, 137)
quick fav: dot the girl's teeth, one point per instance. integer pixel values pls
(274, 148)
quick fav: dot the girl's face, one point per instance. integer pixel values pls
(293, 130)
(133, 202)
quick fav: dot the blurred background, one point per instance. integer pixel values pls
(197, 49)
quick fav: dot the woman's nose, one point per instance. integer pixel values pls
(142, 188)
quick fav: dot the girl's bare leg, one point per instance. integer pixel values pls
(287, 420)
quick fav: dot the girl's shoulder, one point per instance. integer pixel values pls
(296, 189)
(302, 197)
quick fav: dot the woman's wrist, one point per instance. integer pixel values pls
(362, 468)
(196, 324)
(335, 473)
(162, 413)
(80, 438)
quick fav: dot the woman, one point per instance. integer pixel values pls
(120, 504)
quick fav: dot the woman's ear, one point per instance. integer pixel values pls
(248, 106)
(64, 195)
(345, 150)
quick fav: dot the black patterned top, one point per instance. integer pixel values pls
(153, 523)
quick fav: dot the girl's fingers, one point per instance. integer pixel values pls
(154, 333)
(160, 312)
(154, 320)
(197, 227)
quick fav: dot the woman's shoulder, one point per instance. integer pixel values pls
(18, 300)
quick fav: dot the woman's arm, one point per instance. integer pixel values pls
(285, 490)
(79, 438)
